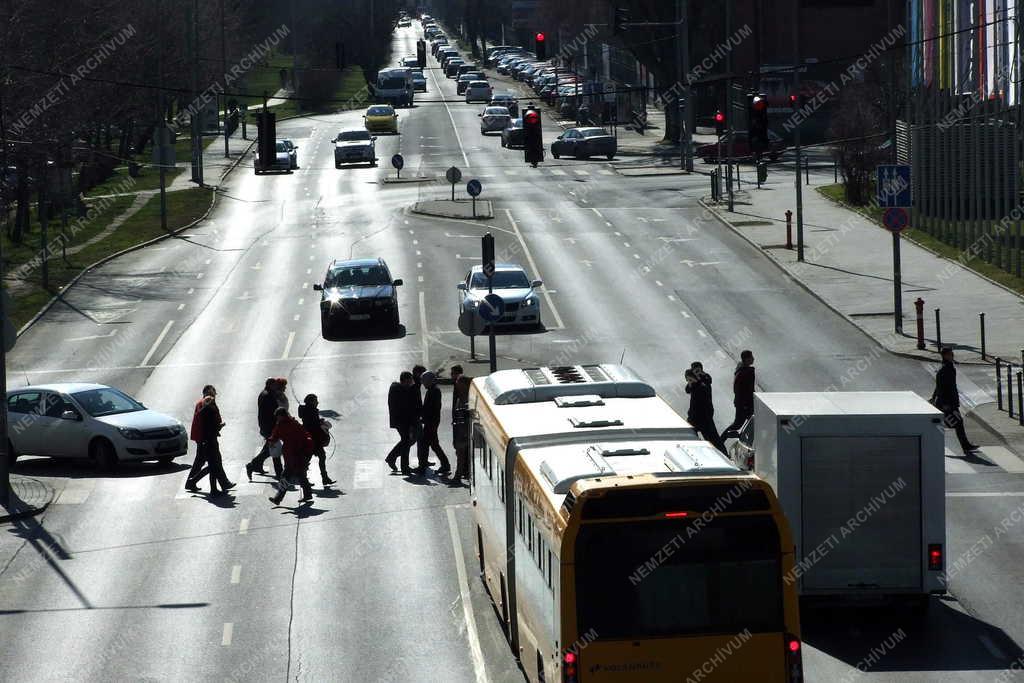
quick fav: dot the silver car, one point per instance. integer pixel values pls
(90, 421)
(494, 119)
(517, 291)
(355, 146)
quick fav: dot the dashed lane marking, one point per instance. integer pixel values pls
(156, 344)
(1003, 457)
(243, 526)
(288, 345)
(236, 574)
(229, 631)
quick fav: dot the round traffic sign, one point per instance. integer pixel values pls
(473, 187)
(470, 323)
(398, 161)
(492, 308)
(453, 175)
(895, 219)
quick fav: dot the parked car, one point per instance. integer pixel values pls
(452, 67)
(90, 421)
(517, 291)
(465, 79)
(507, 100)
(741, 147)
(584, 142)
(355, 146)
(514, 134)
(382, 118)
(419, 81)
(359, 291)
(479, 91)
(494, 119)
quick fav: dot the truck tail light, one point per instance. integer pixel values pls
(794, 659)
(569, 667)
(935, 557)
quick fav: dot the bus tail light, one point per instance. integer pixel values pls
(676, 515)
(935, 556)
(794, 659)
(569, 662)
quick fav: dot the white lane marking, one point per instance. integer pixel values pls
(536, 271)
(296, 317)
(420, 278)
(956, 465)
(991, 647)
(626, 245)
(671, 297)
(96, 336)
(229, 630)
(305, 285)
(986, 494)
(557, 171)
(181, 306)
(511, 171)
(312, 256)
(476, 654)
(685, 314)
(419, 264)
(236, 573)
(636, 256)
(190, 290)
(617, 233)
(301, 301)
(658, 282)
(243, 526)
(369, 474)
(1003, 457)
(580, 171)
(156, 344)
(309, 271)
(288, 345)
(702, 333)
(458, 138)
(424, 345)
(605, 171)
(609, 225)
(420, 253)
(208, 261)
(199, 276)
(599, 214)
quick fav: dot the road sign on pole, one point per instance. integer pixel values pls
(453, 175)
(488, 255)
(492, 308)
(893, 186)
(474, 188)
(398, 161)
(895, 219)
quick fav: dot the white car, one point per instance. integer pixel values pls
(355, 146)
(90, 421)
(479, 91)
(517, 291)
(293, 154)
(285, 158)
(494, 119)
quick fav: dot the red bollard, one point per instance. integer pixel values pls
(919, 305)
(789, 229)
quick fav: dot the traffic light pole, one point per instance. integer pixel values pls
(729, 107)
(5, 456)
(796, 134)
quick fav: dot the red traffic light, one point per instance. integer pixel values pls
(759, 103)
(719, 117)
(540, 38)
(531, 117)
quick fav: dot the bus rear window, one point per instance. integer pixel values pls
(672, 577)
(650, 502)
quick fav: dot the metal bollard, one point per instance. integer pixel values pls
(1020, 398)
(714, 185)
(1009, 388)
(981, 318)
(938, 330)
(739, 185)
(789, 229)
(999, 383)
(807, 171)
(919, 305)
(835, 170)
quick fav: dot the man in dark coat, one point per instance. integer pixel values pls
(431, 422)
(400, 415)
(210, 426)
(946, 398)
(196, 434)
(702, 409)
(309, 413)
(461, 426)
(743, 385)
(297, 448)
(269, 400)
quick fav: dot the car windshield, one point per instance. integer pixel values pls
(516, 123)
(281, 147)
(379, 111)
(358, 276)
(479, 84)
(106, 401)
(354, 135)
(496, 111)
(503, 279)
(392, 83)
(593, 132)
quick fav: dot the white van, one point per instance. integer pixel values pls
(395, 86)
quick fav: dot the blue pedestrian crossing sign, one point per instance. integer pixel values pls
(893, 186)
(492, 308)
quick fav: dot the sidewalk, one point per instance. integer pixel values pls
(28, 497)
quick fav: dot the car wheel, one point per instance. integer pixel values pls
(610, 157)
(165, 460)
(554, 154)
(337, 165)
(103, 455)
(325, 326)
(396, 323)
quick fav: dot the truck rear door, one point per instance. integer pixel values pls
(861, 514)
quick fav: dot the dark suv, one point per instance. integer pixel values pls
(358, 291)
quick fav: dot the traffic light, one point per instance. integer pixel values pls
(719, 123)
(796, 101)
(540, 46)
(421, 54)
(266, 122)
(621, 19)
(757, 116)
(534, 137)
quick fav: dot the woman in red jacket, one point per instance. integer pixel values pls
(298, 449)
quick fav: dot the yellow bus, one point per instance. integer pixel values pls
(616, 545)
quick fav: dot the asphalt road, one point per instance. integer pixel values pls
(128, 577)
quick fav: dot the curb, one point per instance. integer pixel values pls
(830, 306)
(407, 181)
(30, 511)
(436, 214)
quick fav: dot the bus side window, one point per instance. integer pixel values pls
(490, 464)
(501, 485)
(519, 516)
(549, 568)
(529, 533)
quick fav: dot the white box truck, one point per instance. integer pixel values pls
(396, 87)
(861, 478)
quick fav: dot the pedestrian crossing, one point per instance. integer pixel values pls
(527, 173)
(986, 460)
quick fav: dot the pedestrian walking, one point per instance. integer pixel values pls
(743, 384)
(270, 399)
(401, 418)
(460, 426)
(318, 428)
(701, 415)
(416, 403)
(196, 434)
(297, 448)
(946, 398)
(210, 426)
(431, 423)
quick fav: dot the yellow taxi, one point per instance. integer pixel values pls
(381, 118)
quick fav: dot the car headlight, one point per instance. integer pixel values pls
(530, 301)
(129, 433)
(381, 302)
(178, 429)
(332, 297)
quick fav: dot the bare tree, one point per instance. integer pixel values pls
(858, 126)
